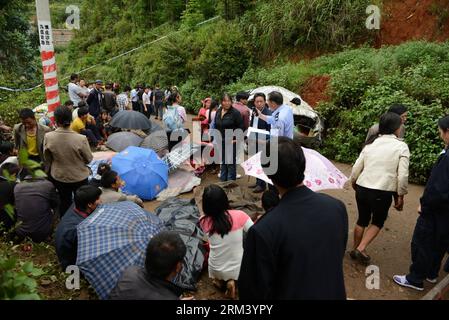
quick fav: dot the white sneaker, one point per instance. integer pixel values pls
(402, 281)
(432, 281)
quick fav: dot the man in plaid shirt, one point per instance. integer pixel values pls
(123, 99)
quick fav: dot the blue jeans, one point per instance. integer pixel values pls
(228, 172)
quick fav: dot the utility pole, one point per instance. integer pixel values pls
(48, 56)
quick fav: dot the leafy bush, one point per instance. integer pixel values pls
(362, 90)
(17, 280)
(224, 58)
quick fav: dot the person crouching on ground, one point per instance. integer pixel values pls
(225, 229)
(85, 125)
(110, 185)
(87, 198)
(164, 259)
(379, 175)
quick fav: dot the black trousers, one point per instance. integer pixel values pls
(136, 106)
(430, 243)
(66, 193)
(373, 206)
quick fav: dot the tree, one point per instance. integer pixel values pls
(17, 45)
(192, 15)
(231, 9)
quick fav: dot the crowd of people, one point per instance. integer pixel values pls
(294, 251)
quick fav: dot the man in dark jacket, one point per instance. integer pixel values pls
(430, 240)
(95, 100)
(258, 138)
(36, 202)
(158, 97)
(164, 258)
(87, 198)
(110, 100)
(296, 250)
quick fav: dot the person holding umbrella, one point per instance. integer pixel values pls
(110, 186)
(87, 198)
(296, 250)
(164, 258)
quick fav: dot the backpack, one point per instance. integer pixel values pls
(172, 119)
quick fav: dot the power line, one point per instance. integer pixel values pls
(111, 59)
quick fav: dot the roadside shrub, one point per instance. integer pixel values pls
(224, 59)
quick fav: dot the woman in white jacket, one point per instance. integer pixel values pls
(379, 175)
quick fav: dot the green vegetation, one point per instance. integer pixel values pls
(18, 45)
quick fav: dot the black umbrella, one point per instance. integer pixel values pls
(127, 119)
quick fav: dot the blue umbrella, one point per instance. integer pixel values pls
(145, 175)
(112, 239)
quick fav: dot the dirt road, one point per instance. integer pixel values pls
(390, 252)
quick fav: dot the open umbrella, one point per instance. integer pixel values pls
(121, 140)
(145, 175)
(128, 119)
(157, 141)
(113, 238)
(320, 173)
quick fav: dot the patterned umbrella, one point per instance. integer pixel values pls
(113, 238)
(320, 173)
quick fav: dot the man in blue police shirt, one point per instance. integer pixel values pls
(281, 120)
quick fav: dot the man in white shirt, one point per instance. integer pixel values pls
(147, 102)
(135, 98)
(75, 92)
(84, 89)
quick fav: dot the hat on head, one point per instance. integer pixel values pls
(98, 82)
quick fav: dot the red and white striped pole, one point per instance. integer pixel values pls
(48, 56)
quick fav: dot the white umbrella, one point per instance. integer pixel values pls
(320, 173)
